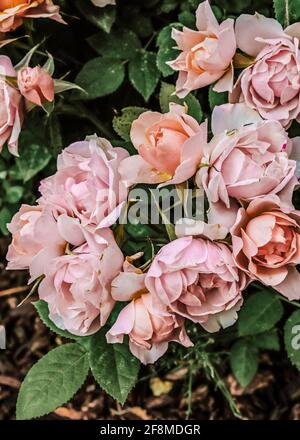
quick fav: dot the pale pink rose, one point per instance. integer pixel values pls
(149, 332)
(197, 279)
(102, 3)
(170, 147)
(206, 54)
(248, 160)
(36, 85)
(87, 183)
(77, 286)
(11, 107)
(13, 12)
(266, 245)
(271, 84)
(24, 246)
(38, 236)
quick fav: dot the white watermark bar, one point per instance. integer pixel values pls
(167, 205)
(2, 337)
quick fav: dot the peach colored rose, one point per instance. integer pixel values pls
(247, 158)
(197, 279)
(11, 107)
(266, 245)
(77, 286)
(170, 147)
(13, 12)
(36, 85)
(87, 183)
(271, 84)
(206, 54)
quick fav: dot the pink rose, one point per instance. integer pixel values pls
(197, 279)
(271, 84)
(77, 286)
(266, 245)
(11, 107)
(169, 145)
(149, 332)
(247, 158)
(206, 54)
(24, 246)
(87, 183)
(12, 12)
(36, 85)
(38, 237)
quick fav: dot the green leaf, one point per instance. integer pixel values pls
(103, 18)
(260, 313)
(168, 5)
(164, 37)
(234, 6)
(34, 155)
(143, 73)
(267, 341)
(216, 98)
(100, 77)
(167, 49)
(287, 11)
(12, 193)
(292, 338)
(52, 381)
(121, 44)
(187, 19)
(244, 361)
(140, 24)
(122, 123)
(166, 96)
(113, 366)
(43, 311)
(5, 217)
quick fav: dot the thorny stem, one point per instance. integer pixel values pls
(150, 40)
(169, 227)
(290, 302)
(211, 373)
(189, 393)
(82, 112)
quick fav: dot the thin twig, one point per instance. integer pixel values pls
(14, 290)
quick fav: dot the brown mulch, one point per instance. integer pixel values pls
(274, 394)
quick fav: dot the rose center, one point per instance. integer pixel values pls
(275, 251)
(202, 52)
